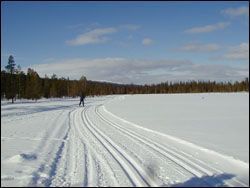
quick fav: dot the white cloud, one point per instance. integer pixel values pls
(92, 37)
(147, 41)
(234, 12)
(195, 47)
(98, 35)
(121, 70)
(239, 52)
(208, 28)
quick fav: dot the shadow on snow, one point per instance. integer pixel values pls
(205, 181)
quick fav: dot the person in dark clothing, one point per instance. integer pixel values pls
(82, 100)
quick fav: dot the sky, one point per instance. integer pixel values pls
(128, 42)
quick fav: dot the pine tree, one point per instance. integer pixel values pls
(3, 83)
(22, 77)
(46, 87)
(33, 85)
(10, 68)
(18, 71)
(53, 88)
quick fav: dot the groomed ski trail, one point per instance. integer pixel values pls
(89, 146)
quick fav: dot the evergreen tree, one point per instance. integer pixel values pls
(18, 71)
(46, 87)
(3, 83)
(11, 84)
(53, 88)
(33, 85)
(22, 85)
(247, 84)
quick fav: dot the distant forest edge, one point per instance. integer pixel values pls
(16, 84)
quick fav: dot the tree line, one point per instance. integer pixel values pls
(16, 84)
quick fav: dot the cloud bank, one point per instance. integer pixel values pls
(121, 70)
(239, 52)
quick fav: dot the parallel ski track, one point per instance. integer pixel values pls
(90, 178)
(135, 173)
(79, 140)
(77, 135)
(52, 158)
(198, 169)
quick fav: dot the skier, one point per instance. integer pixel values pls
(82, 99)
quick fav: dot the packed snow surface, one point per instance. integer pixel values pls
(218, 121)
(127, 140)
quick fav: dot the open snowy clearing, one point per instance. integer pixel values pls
(116, 141)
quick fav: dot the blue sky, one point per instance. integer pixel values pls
(139, 42)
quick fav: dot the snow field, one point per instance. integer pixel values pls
(57, 143)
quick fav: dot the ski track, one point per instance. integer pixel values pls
(191, 164)
(50, 162)
(90, 147)
(134, 172)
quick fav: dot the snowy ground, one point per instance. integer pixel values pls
(139, 140)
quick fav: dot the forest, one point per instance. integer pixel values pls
(15, 84)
